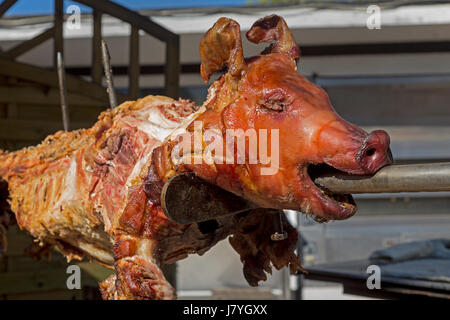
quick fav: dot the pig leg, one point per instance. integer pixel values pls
(138, 276)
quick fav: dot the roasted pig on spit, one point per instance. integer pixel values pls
(96, 193)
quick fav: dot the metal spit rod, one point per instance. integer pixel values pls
(63, 90)
(426, 177)
(186, 198)
(108, 74)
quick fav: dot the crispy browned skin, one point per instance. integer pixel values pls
(96, 192)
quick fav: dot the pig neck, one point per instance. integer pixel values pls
(161, 168)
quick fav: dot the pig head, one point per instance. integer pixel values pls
(288, 129)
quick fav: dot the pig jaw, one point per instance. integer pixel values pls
(332, 142)
(342, 148)
(266, 93)
(319, 202)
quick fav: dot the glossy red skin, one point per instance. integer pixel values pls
(310, 132)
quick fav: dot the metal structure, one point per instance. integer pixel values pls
(424, 177)
(137, 23)
(63, 91)
(109, 76)
(34, 91)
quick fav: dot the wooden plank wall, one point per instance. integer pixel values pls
(29, 112)
(22, 277)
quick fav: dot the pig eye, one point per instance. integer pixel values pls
(275, 105)
(275, 99)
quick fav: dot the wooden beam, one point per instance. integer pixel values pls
(15, 145)
(18, 241)
(172, 70)
(16, 129)
(106, 59)
(44, 96)
(5, 5)
(52, 113)
(23, 263)
(96, 71)
(26, 46)
(57, 294)
(133, 71)
(49, 78)
(59, 22)
(63, 91)
(37, 280)
(131, 17)
(149, 69)
(12, 112)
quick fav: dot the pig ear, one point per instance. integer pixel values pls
(221, 47)
(274, 29)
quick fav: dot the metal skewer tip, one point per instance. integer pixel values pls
(424, 177)
(63, 90)
(108, 74)
(279, 234)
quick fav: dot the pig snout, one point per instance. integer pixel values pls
(374, 152)
(348, 148)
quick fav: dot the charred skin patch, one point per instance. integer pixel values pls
(208, 226)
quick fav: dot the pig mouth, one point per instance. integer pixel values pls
(333, 206)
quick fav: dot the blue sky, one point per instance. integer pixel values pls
(31, 7)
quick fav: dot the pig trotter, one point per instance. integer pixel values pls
(136, 279)
(138, 275)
